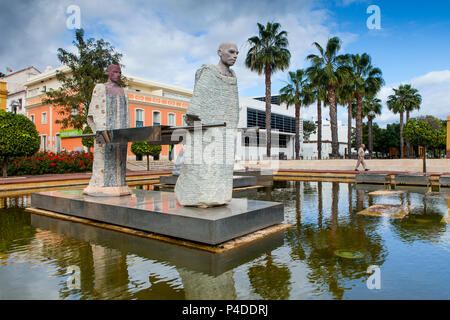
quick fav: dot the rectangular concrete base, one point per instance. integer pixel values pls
(238, 181)
(160, 212)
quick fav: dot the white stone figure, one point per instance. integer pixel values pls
(206, 177)
(109, 110)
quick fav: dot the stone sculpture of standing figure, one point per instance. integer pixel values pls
(206, 177)
(109, 110)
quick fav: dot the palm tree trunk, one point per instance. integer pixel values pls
(267, 72)
(359, 133)
(369, 123)
(333, 123)
(401, 135)
(349, 130)
(407, 140)
(319, 129)
(297, 133)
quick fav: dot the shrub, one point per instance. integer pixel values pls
(18, 137)
(48, 162)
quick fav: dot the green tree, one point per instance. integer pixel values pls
(366, 81)
(88, 142)
(331, 71)
(268, 54)
(309, 128)
(87, 68)
(404, 99)
(319, 93)
(425, 131)
(144, 149)
(296, 93)
(371, 107)
(2, 74)
(346, 97)
(18, 137)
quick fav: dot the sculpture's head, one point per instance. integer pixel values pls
(228, 53)
(114, 73)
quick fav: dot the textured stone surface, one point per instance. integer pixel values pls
(160, 212)
(238, 181)
(411, 179)
(387, 210)
(371, 178)
(206, 177)
(386, 192)
(107, 112)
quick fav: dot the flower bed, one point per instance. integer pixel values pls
(49, 162)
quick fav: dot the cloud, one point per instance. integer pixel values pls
(164, 40)
(433, 87)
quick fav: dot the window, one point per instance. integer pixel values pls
(171, 121)
(44, 118)
(257, 118)
(139, 121)
(156, 118)
(32, 117)
(44, 143)
(184, 120)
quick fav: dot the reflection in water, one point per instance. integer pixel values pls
(270, 279)
(324, 215)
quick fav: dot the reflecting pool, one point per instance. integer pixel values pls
(330, 252)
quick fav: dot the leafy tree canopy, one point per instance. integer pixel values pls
(18, 137)
(87, 68)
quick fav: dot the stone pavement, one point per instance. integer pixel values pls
(393, 166)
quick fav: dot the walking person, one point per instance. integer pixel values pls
(361, 154)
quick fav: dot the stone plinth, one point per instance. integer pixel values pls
(161, 213)
(444, 181)
(386, 210)
(372, 178)
(238, 181)
(262, 177)
(410, 179)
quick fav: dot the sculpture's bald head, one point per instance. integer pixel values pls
(228, 53)
(114, 73)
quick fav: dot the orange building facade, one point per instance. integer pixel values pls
(150, 103)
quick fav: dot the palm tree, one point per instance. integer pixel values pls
(367, 81)
(268, 54)
(413, 103)
(404, 99)
(331, 71)
(296, 93)
(346, 96)
(319, 93)
(396, 105)
(371, 107)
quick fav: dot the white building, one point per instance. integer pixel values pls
(251, 146)
(15, 84)
(308, 149)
